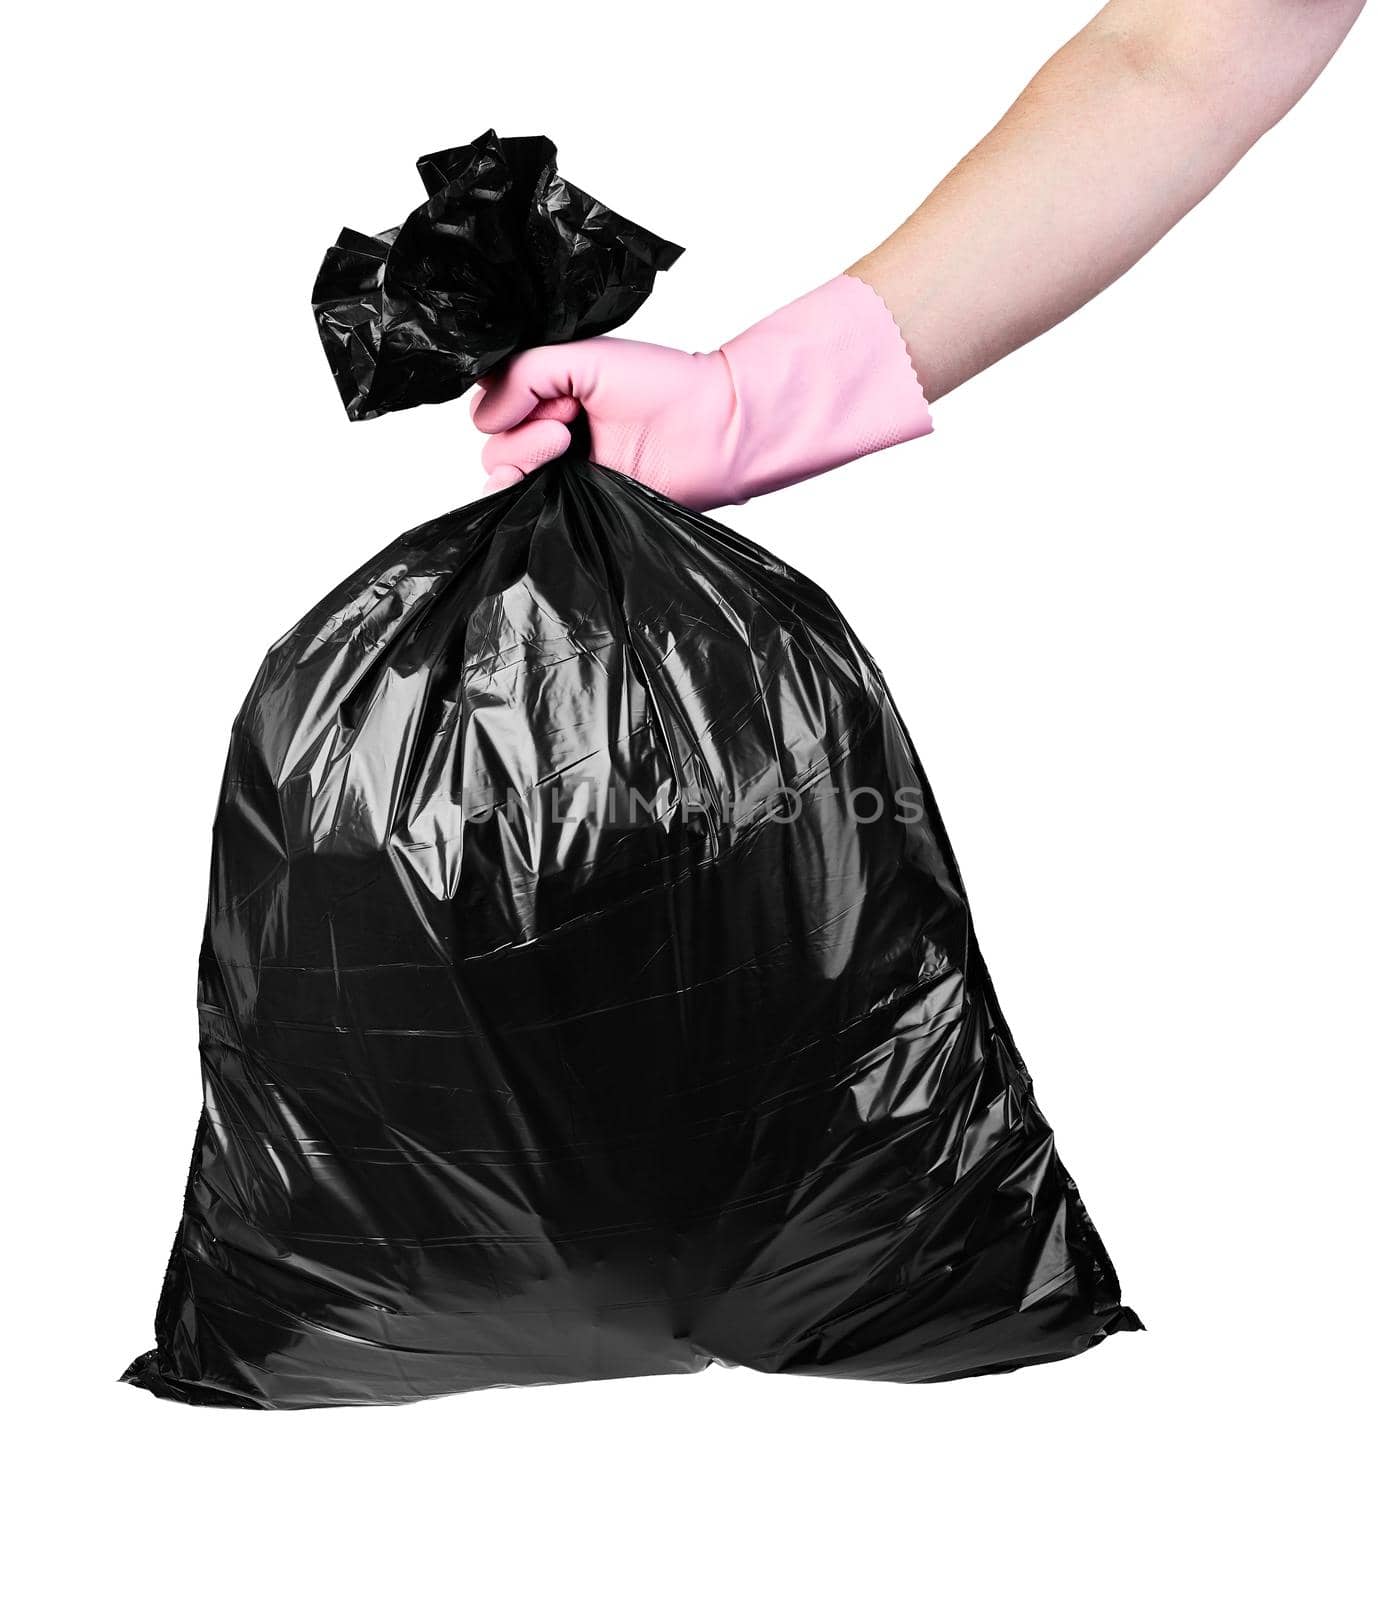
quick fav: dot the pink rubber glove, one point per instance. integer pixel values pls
(823, 381)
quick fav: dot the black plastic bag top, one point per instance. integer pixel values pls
(505, 254)
(588, 987)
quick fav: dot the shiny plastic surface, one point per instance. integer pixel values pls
(505, 254)
(588, 990)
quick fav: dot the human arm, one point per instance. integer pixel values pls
(1129, 126)
(1118, 136)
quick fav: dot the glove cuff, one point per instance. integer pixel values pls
(822, 381)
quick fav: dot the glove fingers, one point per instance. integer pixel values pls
(514, 393)
(527, 446)
(564, 408)
(503, 478)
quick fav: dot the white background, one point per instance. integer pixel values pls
(1123, 596)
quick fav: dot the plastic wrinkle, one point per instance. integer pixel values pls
(503, 255)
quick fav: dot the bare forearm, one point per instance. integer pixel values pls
(1123, 131)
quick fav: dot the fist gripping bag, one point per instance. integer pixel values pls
(588, 987)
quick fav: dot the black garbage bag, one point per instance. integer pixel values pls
(588, 987)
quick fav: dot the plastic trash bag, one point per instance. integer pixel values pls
(588, 987)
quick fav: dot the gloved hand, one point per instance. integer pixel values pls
(823, 381)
